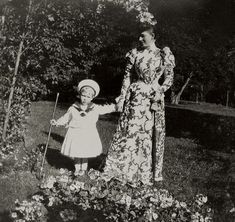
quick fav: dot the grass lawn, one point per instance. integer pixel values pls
(188, 168)
(204, 107)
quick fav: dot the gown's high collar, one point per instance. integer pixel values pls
(151, 47)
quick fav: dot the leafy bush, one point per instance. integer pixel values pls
(18, 112)
(65, 41)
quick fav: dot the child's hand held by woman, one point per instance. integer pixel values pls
(53, 122)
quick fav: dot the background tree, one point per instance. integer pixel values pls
(62, 43)
(195, 31)
(17, 62)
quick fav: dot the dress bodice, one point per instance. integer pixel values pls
(148, 65)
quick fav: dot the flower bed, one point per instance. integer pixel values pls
(64, 198)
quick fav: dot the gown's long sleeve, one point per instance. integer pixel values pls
(169, 63)
(130, 56)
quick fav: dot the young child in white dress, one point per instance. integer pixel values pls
(82, 140)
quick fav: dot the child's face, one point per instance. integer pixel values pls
(86, 95)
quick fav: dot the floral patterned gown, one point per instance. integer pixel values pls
(130, 155)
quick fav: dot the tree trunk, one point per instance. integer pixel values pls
(227, 98)
(12, 91)
(201, 92)
(197, 101)
(175, 98)
(4, 132)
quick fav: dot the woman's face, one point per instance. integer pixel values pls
(86, 95)
(146, 39)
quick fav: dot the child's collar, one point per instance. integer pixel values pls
(89, 108)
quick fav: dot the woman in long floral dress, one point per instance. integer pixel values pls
(130, 155)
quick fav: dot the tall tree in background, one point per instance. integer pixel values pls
(61, 44)
(199, 33)
(17, 62)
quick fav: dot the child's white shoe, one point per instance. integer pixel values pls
(77, 169)
(79, 172)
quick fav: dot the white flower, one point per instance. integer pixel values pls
(14, 215)
(232, 210)
(37, 198)
(49, 183)
(62, 171)
(165, 199)
(154, 200)
(149, 215)
(173, 215)
(201, 199)
(78, 185)
(137, 202)
(183, 204)
(122, 200)
(100, 8)
(93, 190)
(128, 201)
(51, 201)
(155, 216)
(106, 177)
(196, 217)
(146, 17)
(51, 18)
(204, 199)
(93, 174)
(201, 219)
(72, 187)
(208, 219)
(64, 179)
(177, 204)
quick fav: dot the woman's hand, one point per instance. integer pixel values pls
(156, 100)
(157, 96)
(53, 122)
(119, 103)
(119, 106)
(155, 106)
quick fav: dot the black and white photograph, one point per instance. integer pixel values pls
(117, 110)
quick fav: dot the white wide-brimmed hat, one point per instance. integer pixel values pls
(91, 83)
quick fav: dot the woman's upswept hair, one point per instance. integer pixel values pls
(147, 28)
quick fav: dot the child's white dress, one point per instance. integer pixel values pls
(82, 139)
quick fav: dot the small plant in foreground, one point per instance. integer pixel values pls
(116, 201)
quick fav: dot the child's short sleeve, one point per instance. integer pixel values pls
(64, 120)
